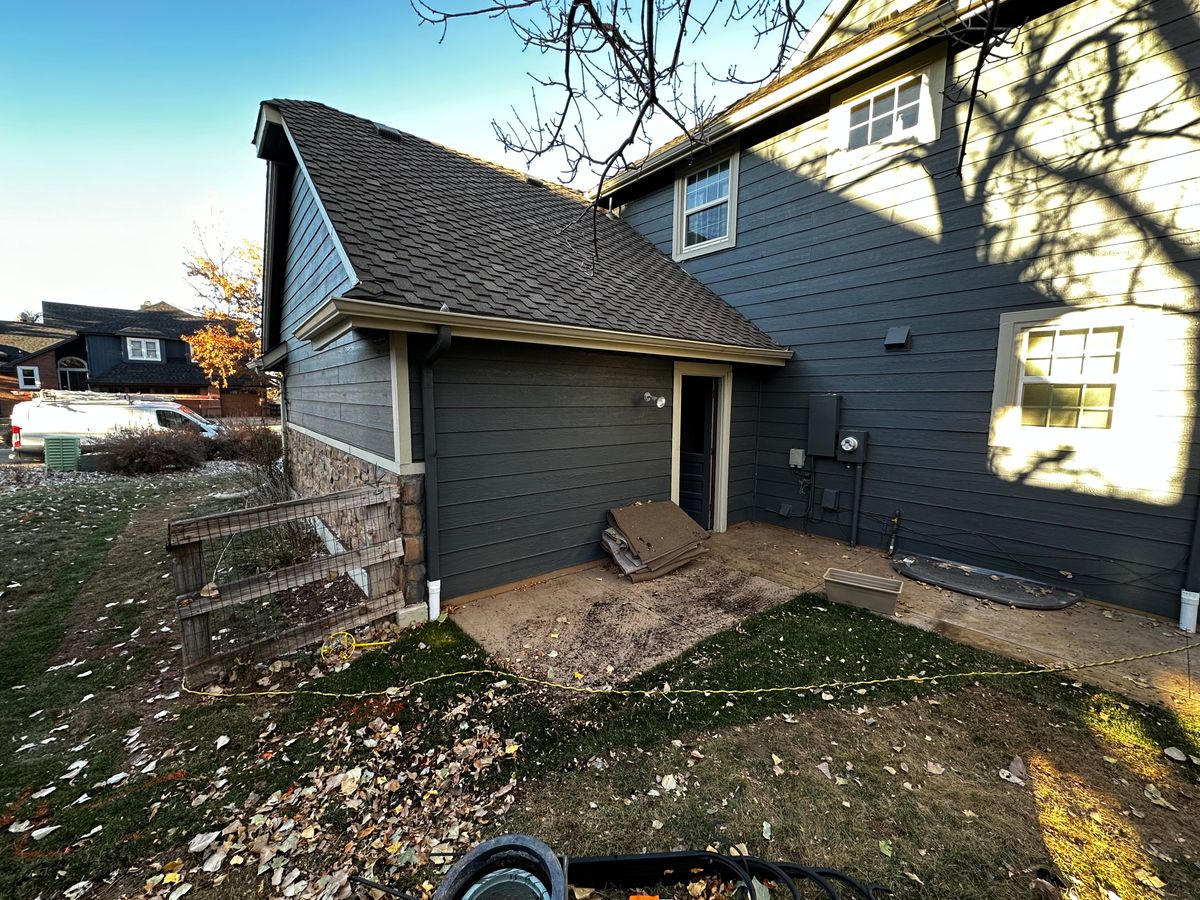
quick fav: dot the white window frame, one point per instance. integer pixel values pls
(143, 344)
(678, 250)
(930, 66)
(22, 372)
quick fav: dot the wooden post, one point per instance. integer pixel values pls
(187, 573)
(379, 529)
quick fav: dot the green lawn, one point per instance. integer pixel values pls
(897, 783)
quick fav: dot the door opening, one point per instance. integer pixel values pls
(698, 447)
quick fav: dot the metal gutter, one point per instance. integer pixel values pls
(337, 315)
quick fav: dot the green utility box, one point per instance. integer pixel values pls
(62, 453)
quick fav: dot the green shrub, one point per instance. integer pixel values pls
(147, 451)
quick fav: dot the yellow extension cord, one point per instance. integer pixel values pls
(342, 645)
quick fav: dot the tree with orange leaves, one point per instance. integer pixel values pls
(230, 284)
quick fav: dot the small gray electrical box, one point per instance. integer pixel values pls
(796, 458)
(824, 414)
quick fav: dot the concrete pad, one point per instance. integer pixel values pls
(599, 625)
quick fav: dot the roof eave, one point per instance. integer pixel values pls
(338, 315)
(844, 68)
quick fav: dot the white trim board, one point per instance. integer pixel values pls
(724, 376)
(337, 315)
(390, 465)
(401, 403)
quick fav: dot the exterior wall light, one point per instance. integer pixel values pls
(649, 398)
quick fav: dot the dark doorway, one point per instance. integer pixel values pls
(697, 447)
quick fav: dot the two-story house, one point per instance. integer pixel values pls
(140, 351)
(995, 301)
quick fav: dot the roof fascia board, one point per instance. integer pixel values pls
(845, 68)
(337, 241)
(341, 314)
(272, 358)
(822, 28)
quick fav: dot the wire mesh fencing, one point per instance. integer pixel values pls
(255, 584)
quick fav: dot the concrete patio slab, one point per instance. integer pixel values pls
(592, 625)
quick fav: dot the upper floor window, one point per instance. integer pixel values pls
(889, 113)
(897, 107)
(706, 208)
(28, 378)
(144, 349)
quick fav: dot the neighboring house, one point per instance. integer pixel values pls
(121, 351)
(29, 358)
(1014, 349)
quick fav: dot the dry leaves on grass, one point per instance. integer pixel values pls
(409, 800)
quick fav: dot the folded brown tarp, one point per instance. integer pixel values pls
(650, 539)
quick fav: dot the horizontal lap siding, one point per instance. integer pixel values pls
(535, 445)
(342, 391)
(827, 264)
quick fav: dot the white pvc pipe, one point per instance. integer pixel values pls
(434, 590)
(1188, 603)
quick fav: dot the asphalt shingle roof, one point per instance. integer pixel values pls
(19, 339)
(167, 374)
(425, 225)
(159, 320)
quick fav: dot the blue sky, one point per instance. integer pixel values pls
(123, 125)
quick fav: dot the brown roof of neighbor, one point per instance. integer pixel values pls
(425, 225)
(20, 339)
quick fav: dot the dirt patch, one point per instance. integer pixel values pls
(317, 600)
(907, 795)
(594, 627)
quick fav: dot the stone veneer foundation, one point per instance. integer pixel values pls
(315, 468)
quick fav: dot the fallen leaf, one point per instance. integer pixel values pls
(934, 768)
(202, 842)
(766, 830)
(885, 847)
(1154, 795)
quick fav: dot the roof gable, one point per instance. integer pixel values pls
(425, 226)
(21, 339)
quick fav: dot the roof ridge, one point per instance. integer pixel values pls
(552, 184)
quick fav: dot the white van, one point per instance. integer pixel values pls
(94, 416)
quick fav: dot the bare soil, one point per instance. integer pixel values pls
(596, 627)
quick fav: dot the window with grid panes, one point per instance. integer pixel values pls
(893, 111)
(1069, 376)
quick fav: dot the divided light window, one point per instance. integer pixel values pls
(1069, 376)
(706, 209)
(888, 113)
(28, 378)
(706, 205)
(144, 349)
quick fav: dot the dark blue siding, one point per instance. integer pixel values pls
(826, 262)
(342, 391)
(534, 446)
